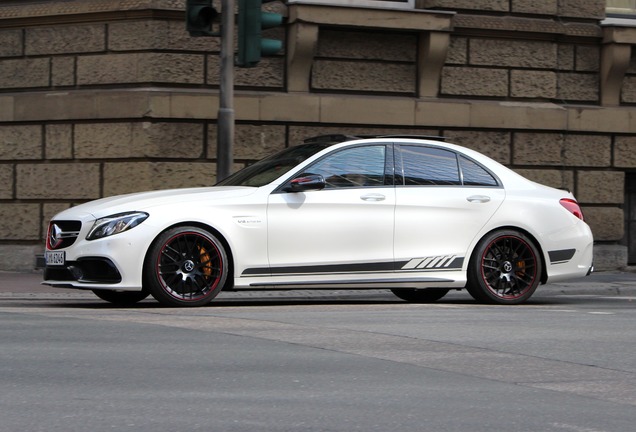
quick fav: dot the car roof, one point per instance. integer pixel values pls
(339, 138)
(342, 140)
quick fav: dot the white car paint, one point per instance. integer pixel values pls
(318, 238)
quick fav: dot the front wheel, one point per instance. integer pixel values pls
(186, 266)
(505, 268)
(414, 295)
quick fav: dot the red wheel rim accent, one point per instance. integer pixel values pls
(189, 266)
(509, 267)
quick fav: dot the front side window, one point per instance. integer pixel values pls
(269, 169)
(352, 167)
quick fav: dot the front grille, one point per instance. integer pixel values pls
(62, 234)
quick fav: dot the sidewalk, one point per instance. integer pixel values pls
(23, 283)
(600, 283)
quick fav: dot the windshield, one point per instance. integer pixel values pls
(269, 169)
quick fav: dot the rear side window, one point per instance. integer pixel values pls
(426, 166)
(475, 175)
(430, 166)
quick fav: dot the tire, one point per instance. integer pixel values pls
(413, 295)
(185, 266)
(121, 298)
(505, 268)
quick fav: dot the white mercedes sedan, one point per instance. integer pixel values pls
(417, 216)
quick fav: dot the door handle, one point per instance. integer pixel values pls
(373, 197)
(478, 198)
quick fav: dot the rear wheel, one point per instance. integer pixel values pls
(121, 298)
(186, 266)
(504, 269)
(413, 295)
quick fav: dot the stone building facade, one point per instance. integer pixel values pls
(100, 98)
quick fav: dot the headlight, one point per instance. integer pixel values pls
(115, 224)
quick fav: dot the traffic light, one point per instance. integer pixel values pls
(251, 21)
(199, 17)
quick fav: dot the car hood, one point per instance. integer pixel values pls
(145, 201)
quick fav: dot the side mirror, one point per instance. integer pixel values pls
(306, 182)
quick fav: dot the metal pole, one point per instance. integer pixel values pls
(225, 119)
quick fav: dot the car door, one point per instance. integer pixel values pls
(442, 201)
(345, 228)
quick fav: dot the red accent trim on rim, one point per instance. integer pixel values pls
(167, 289)
(495, 271)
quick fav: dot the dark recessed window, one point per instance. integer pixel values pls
(353, 167)
(429, 166)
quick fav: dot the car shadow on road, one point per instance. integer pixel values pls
(277, 299)
(278, 302)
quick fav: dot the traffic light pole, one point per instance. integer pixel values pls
(225, 118)
(200, 17)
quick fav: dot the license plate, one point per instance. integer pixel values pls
(54, 258)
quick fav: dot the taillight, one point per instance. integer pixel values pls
(572, 206)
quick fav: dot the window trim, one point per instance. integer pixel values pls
(394, 172)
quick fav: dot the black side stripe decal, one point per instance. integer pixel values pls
(450, 262)
(434, 262)
(327, 268)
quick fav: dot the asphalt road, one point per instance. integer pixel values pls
(335, 361)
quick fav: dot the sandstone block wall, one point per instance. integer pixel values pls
(523, 69)
(124, 100)
(368, 62)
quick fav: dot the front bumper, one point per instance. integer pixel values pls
(114, 262)
(100, 271)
